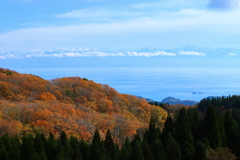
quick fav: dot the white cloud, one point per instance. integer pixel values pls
(155, 29)
(86, 13)
(232, 54)
(187, 53)
(9, 55)
(63, 52)
(102, 14)
(150, 54)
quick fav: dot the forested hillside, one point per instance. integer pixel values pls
(74, 118)
(185, 137)
(78, 106)
(222, 103)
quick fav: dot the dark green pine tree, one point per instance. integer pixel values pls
(212, 128)
(196, 124)
(15, 151)
(96, 137)
(126, 150)
(65, 146)
(51, 147)
(146, 150)
(236, 115)
(3, 151)
(200, 151)
(222, 130)
(157, 150)
(112, 151)
(7, 144)
(85, 151)
(171, 148)
(184, 135)
(136, 153)
(39, 147)
(27, 150)
(232, 132)
(75, 149)
(103, 151)
(153, 133)
(95, 150)
(168, 127)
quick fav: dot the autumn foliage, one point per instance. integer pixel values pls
(30, 104)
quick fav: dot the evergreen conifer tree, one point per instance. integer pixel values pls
(27, 150)
(39, 147)
(75, 149)
(212, 128)
(85, 151)
(110, 146)
(51, 147)
(3, 151)
(157, 150)
(232, 132)
(200, 151)
(137, 153)
(168, 127)
(184, 135)
(171, 148)
(146, 150)
(65, 145)
(126, 150)
(196, 124)
(15, 151)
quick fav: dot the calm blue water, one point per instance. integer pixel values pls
(156, 83)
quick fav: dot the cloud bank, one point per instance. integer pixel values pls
(187, 53)
(232, 54)
(64, 52)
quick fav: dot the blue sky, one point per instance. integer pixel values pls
(40, 35)
(113, 25)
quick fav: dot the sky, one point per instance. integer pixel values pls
(48, 34)
(115, 26)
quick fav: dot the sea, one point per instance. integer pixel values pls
(185, 83)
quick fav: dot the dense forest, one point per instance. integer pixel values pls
(75, 105)
(74, 118)
(185, 137)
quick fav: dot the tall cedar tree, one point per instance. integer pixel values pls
(196, 124)
(157, 150)
(85, 151)
(232, 132)
(212, 128)
(6, 141)
(112, 151)
(184, 135)
(51, 147)
(200, 151)
(15, 152)
(66, 146)
(171, 148)
(27, 150)
(97, 147)
(168, 127)
(136, 153)
(3, 151)
(147, 153)
(39, 147)
(75, 149)
(126, 150)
